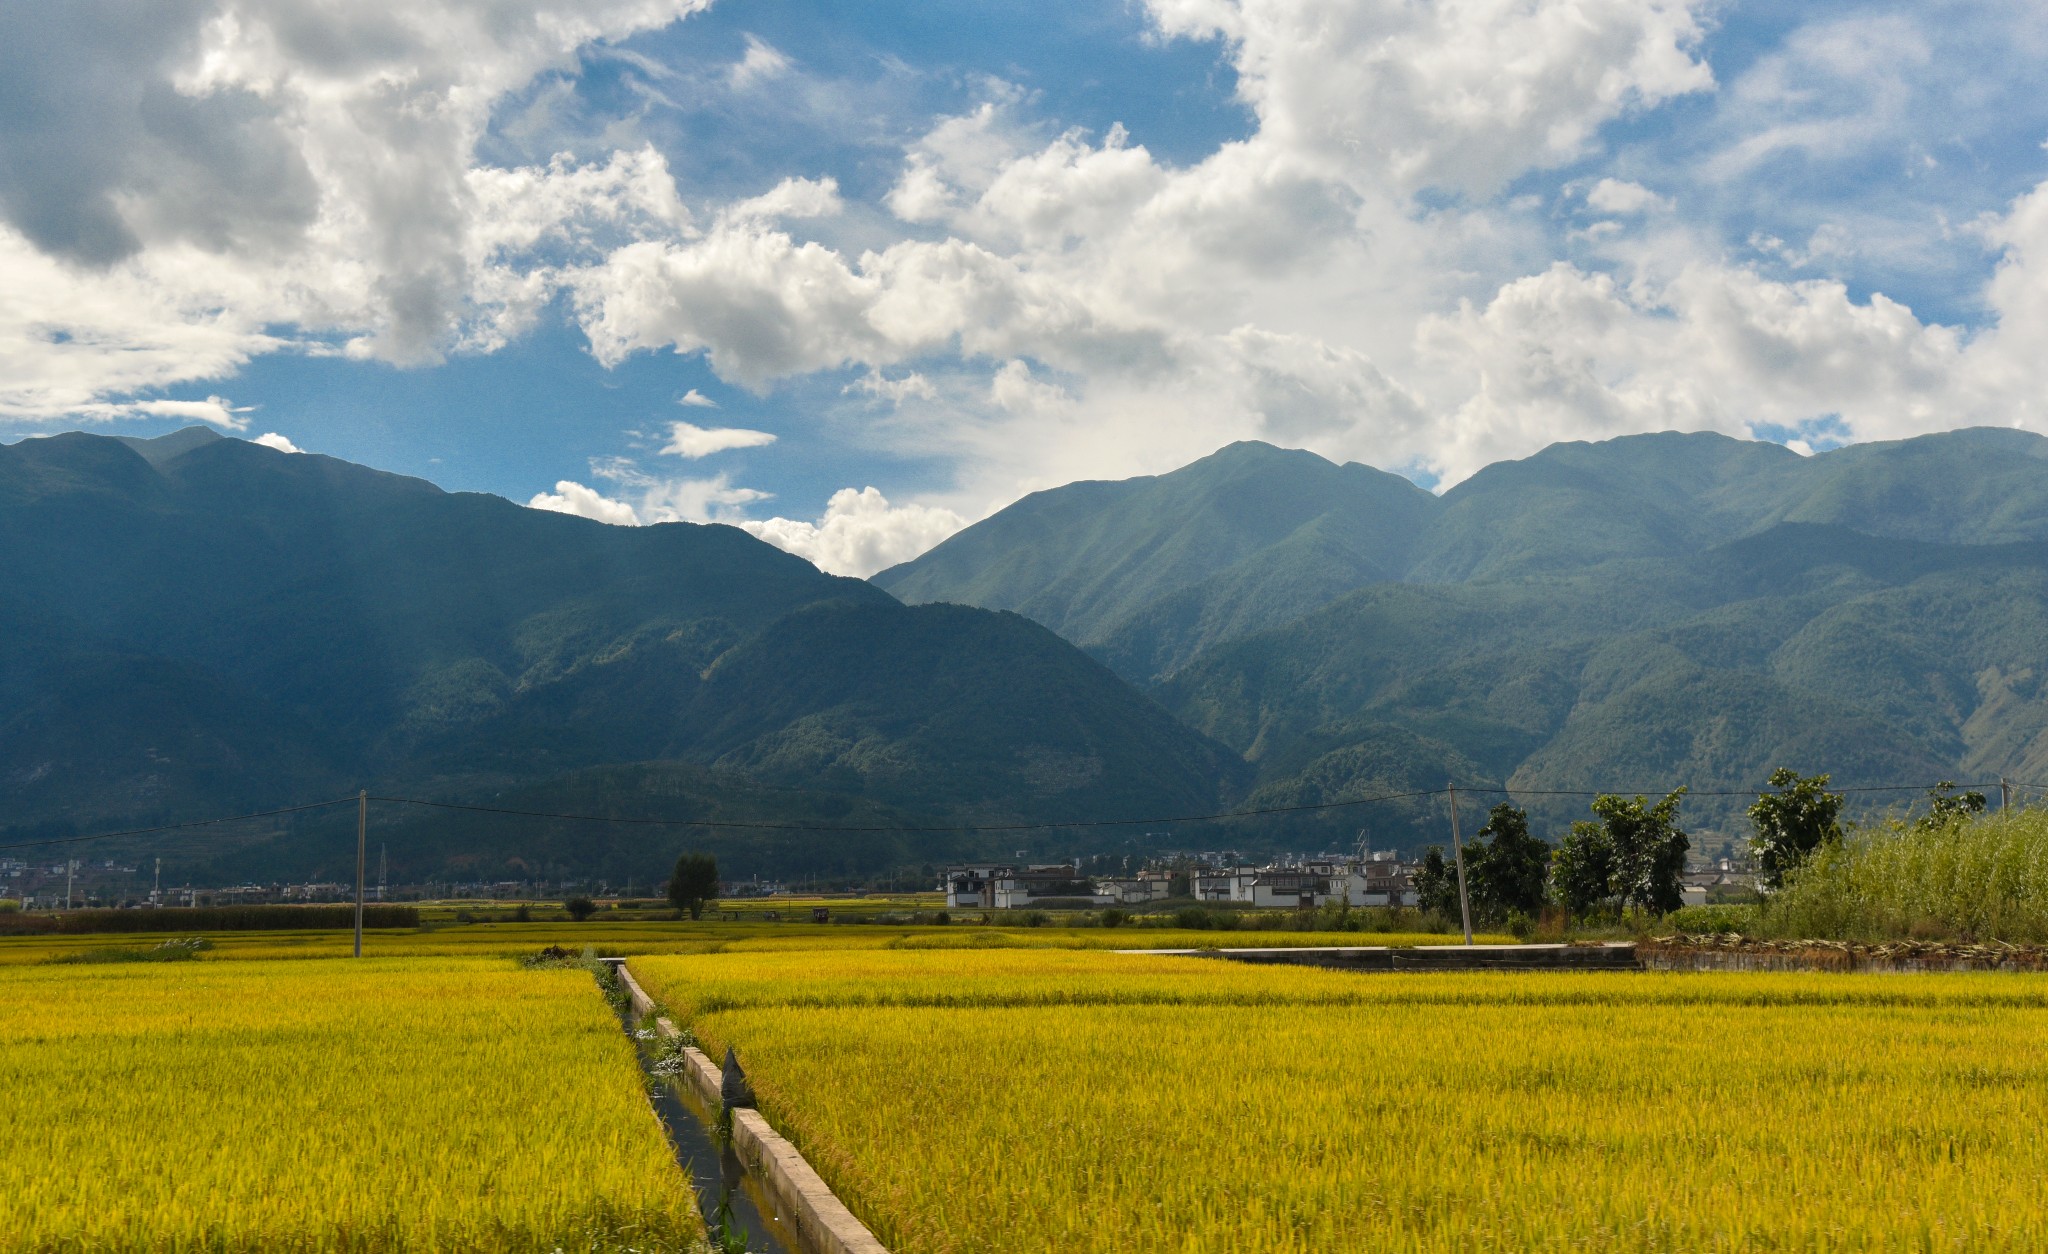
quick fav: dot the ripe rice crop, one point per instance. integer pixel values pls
(1410, 1112)
(618, 938)
(326, 1106)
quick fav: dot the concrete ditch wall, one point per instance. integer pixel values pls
(821, 1220)
(1608, 957)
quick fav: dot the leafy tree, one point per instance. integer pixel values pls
(1509, 869)
(1436, 884)
(1793, 822)
(1583, 868)
(1946, 806)
(694, 884)
(580, 908)
(1649, 850)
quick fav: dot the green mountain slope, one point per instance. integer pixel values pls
(1633, 613)
(204, 625)
(1146, 572)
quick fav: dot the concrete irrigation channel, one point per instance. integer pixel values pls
(1613, 956)
(780, 1201)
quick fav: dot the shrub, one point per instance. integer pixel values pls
(580, 908)
(1114, 917)
(1981, 877)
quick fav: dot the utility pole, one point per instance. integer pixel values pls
(362, 834)
(156, 894)
(1458, 848)
(70, 870)
(383, 856)
(2004, 794)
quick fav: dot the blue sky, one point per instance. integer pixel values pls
(954, 253)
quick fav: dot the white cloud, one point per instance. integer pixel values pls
(216, 410)
(791, 198)
(762, 62)
(655, 500)
(271, 439)
(1374, 270)
(687, 440)
(860, 532)
(1462, 96)
(1621, 196)
(715, 499)
(911, 386)
(696, 400)
(206, 180)
(570, 497)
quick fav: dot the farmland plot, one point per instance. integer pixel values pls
(1000, 1108)
(326, 1106)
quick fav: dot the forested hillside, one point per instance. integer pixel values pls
(195, 625)
(1638, 613)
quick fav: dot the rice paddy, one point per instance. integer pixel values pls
(1028, 1101)
(625, 937)
(433, 1104)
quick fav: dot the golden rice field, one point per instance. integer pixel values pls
(1029, 1101)
(617, 939)
(325, 1106)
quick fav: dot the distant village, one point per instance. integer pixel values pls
(1372, 878)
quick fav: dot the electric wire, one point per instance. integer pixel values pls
(176, 827)
(912, 828)
(898, 827)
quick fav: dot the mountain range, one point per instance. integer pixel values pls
(194, 625)
(1631, 614)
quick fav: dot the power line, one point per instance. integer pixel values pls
(1713, 792)
(176, 827)
(947, 827)
(1065, 824)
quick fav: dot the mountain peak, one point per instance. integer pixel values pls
(156, 450)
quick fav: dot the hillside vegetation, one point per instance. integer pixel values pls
(195, 626)
(1621, 616)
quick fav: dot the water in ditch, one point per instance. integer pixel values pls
(716, 1173)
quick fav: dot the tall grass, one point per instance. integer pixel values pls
(1984, 878)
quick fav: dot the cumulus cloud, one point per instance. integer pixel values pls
(201, 173)
(570, 497)
(271, 439)
(653, 500)
(1378, 269)
(688, 440)
(1622, 196)
(911, 386)
(860, 532)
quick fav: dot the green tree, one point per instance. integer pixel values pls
(1793, 822)
(1436, 885)
(1649, 850)
(1946, 806)
(1509, 869)
(1583, 869)
(580, 908)
(694, 884)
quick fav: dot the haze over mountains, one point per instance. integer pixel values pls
(1642, 612)
(193, 626)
